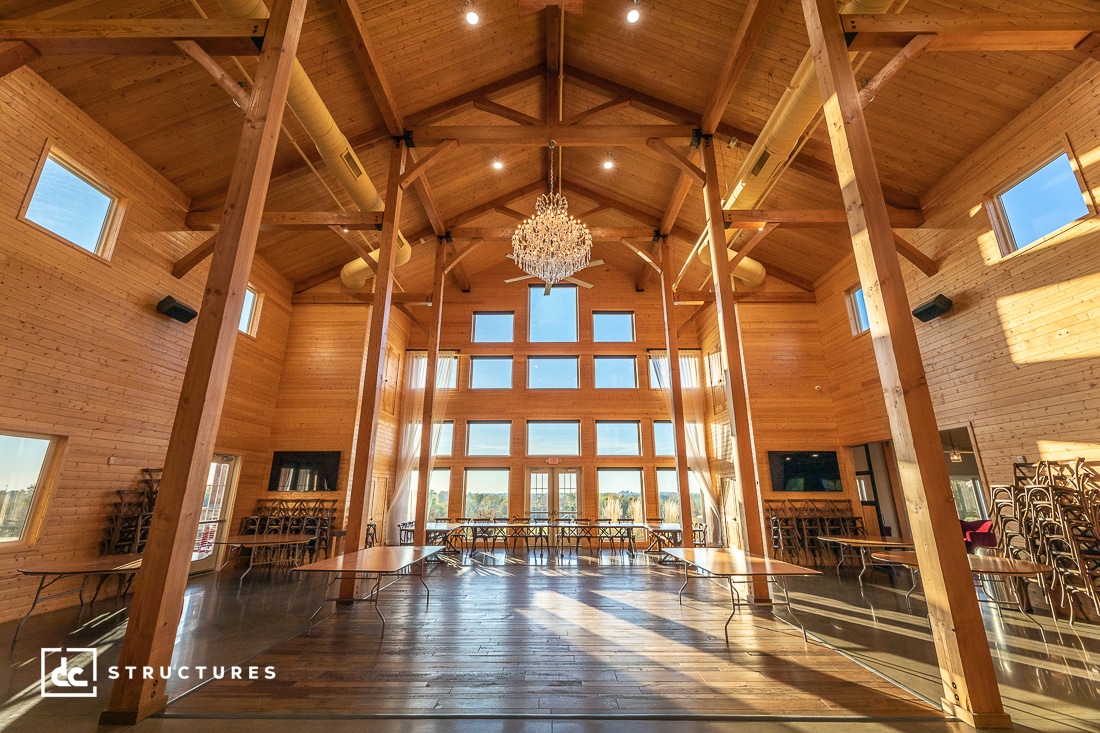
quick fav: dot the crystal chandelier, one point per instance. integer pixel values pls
(551, 245)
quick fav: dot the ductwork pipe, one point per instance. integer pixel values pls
(782, 136)
(335, 150)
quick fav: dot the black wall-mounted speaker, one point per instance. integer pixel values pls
(933, 309)
(176, 310)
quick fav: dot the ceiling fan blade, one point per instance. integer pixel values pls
(582, 283)
(547, 291)
(517, 279)
(593, 263)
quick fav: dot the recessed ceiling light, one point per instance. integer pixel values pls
(498, 164)
(471, 13)
(609, 163)
(634, 14)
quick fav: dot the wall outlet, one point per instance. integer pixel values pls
(111, 461)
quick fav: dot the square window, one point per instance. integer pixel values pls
(616, 372)
(486, 493)
(1040, 204)
(620, 494)
(25, 463)
(493, 328)
(613, 326)
(617, 438)
(552, 372)
(554, 438)
(443, 438)
(552, 317)
(857, 311)
(490, 372)
(69, 204)
(668, 494)
(664, 438)
(250, 313)
(488, 438)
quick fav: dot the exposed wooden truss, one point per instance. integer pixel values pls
(973, 32)
(135, 36)
(277, 221)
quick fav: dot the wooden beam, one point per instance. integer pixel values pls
(15, 54)
(786, 276)
(351, 18)
(598, 233)
(481, 209)
(729, 331)
(604, 197)
(555, 29)
(676, 390)
(744, 41)
(645, 257)
(642, 281)
(966, 667)
(136, 36)
(811, 218)
(608, 106)
(693, 297)
(911, 252)
(431, 208)
(912, 50)
(676, 200)
(420, 518)
(222, 78)
(363, 460)
(288, 221)
(411, 298)
(1090, 46)
(973, 31)
(564, 135)
(507, 113)
(412, 317)
(425, 161)
(190, 260)
(442, 110)
(455, 268)
(314, 280)
(332, 299)
(159, 586)
(466, 251)
(676, 158)
(749, 246)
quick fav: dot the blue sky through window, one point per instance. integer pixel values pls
(664, 439)
(488, 438)
(490, 372)
(1044, 202)
(558, 438)
(69, 206)
(246, 313)
(492, 328)
(552, 372)
(617, 439)
(859, 306)
(616, 372)
(21, 461)
(613, 327)
(443, 438)
(553, 317)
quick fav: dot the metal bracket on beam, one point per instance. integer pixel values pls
(407, 137)
(657, 236)
(697, 137)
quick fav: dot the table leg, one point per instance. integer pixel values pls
(427, 590)
(324, 600)
(251, 560)
(863, 556)
(734, 604)
(840, 554)
(687, 577)
(377, 595)
(912, 574)
(787, 602)
(37, 595)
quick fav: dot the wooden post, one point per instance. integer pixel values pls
(423, 477)
(736, 395)
(966, 667)
(363, 468)
(677, 391)
(158, 595)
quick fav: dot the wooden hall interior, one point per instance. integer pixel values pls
(259, 279)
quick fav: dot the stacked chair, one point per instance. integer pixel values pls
(795, 525)
(296, 516)
(128, 523)
(1051, 514)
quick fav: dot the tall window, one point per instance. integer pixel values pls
(668, 494)
(553, 438)
(250, 314)
(490, 328)
(613, 326)
(1038, 205)
(857, 311)
(490, 372)
(486, 493)
(552, 372)
(443, 435)
(664, 438)
(439, 492)
(616, 372)
(617, 438)
(484, 438)
(446, 372)
(552, 317)
(69, 204)
(620, 493)
(660, 377)
(25, 464)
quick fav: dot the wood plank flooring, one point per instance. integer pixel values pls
(518, 639)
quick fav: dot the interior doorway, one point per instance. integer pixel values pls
(221, 486)
(553, 494)
(876, 489)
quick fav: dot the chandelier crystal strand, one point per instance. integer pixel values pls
(551, 245)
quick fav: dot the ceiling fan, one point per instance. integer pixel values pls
(575, 281)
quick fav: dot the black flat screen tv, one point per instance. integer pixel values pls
(804, 471)
(304, 471)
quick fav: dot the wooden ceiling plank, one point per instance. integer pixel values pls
(14, 55)
(433, 156)
(1090, 46)
(442, 110)
(673, 155)
(564, 135)
(136, 36)
(748, 33)
(351, 18)
(511, 213)
(555, 31)
(912, 50)
(274, 221)
(221, 77)
(481, 209)
(911, 252)
(314, 280)
(504, 112)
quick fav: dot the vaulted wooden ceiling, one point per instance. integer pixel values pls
(925, 121)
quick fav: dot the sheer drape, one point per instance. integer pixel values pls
(694, 423)
(402, 505)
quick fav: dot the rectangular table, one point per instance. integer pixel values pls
(864, 545)
(103, 566)
(259, 541)
(371, 563)
(731, 564)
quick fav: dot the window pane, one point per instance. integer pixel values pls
(443, 438)
(488, 438)
(245, 326)
(557, 438)
(69, 206)
(668, 495)
(552, 372)
(21, 462)
(613, 326)
(664, 438)
(486, 492)
(616, 372)
(493, 328)
(620, 493)
(858, 307)
(617, 439)
(1044, 202)
(553, 317)
(439, 491)
(446, 372)
(490, 372)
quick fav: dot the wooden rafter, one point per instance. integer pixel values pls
(481, 209)
(974, 31)
(505, 112)
(189, 261)
(748, 33)
(670, 153)
(314, 280)
(221, 77)
(425, 161)
(810, 218)
(442, 110)
(455, 268)
(565, 135)
(608, 106)
(1090, 46)
(277, 221)
(911, 252)
(351, 18)
(912, 50)
(750, 245)
(136, 36)
(15, 54)
(505, 233)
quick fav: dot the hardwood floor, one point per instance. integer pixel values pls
(544, 640)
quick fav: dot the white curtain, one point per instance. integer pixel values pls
(691, 380)
(402, 505)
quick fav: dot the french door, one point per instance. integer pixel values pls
(217, 501)
(553, 493)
